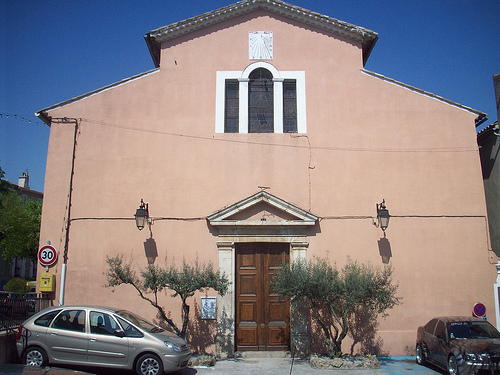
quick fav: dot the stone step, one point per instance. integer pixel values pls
(263, 354)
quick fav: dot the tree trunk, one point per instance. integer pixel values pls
(160, 310)
(185, 318)
(344, 329)
(324, 328)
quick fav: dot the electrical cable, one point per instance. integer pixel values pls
(324, 148)
(308, 147)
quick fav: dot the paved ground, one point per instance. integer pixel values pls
(252, 366)
(285, 366)
(403, 365)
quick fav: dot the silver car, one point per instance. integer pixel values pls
(100, 336)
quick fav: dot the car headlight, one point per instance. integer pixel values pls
(172, 346)
(477, 357)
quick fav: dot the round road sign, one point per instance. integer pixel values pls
(47, 255)
(479, 310)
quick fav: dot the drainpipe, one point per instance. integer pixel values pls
(66, 120)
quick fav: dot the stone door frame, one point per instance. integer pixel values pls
(299, 336)
(233, 229)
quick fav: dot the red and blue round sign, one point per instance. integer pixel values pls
(47, 255)
(479, 310)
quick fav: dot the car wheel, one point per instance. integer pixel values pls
(35, 356)
(149, 364)
(452, 365)
(420, 358)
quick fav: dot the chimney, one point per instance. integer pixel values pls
(24, 181)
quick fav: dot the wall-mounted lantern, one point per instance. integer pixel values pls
(382, 216)
(142, 215)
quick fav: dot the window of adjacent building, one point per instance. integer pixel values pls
(260, 99)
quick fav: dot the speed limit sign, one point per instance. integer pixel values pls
(47, 255)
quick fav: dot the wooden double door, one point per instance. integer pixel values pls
(262, 319)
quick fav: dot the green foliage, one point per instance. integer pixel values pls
(184, 282)
(16, 285)
(120, 273)
(3, 184)
(335, 296)
(19, 224)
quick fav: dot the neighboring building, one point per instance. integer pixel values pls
(20, 267)
(259, 136)
(489, 142)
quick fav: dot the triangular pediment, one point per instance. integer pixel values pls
(262, 209)
(328, 24)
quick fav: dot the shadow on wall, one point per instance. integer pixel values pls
(489, 151)
(384, 249)
(362, 330)
(200, 334)
(150, 250)
(225, 335)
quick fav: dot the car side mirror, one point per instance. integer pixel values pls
(119, 333)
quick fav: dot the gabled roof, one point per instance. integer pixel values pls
(26, 192)
(490, 130)
(230, 215)
(42, 114)
(481, 116)
(154, 38)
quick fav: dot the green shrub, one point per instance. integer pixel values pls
(16, 285)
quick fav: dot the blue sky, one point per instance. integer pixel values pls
(54, 50)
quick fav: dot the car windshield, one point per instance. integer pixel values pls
(139, 321)
(473, 330)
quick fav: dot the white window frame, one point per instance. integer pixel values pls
(278, 79)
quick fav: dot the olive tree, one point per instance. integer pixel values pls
(183, 281)
(335, 295)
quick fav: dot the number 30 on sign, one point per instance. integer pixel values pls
(47, 255)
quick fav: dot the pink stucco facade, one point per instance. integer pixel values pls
(366, 138)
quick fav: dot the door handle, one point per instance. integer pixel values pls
(93, 339)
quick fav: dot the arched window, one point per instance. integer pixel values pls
(260, 102)
(260, 99)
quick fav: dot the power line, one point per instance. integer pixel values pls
(324, 148)
(22, 118)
